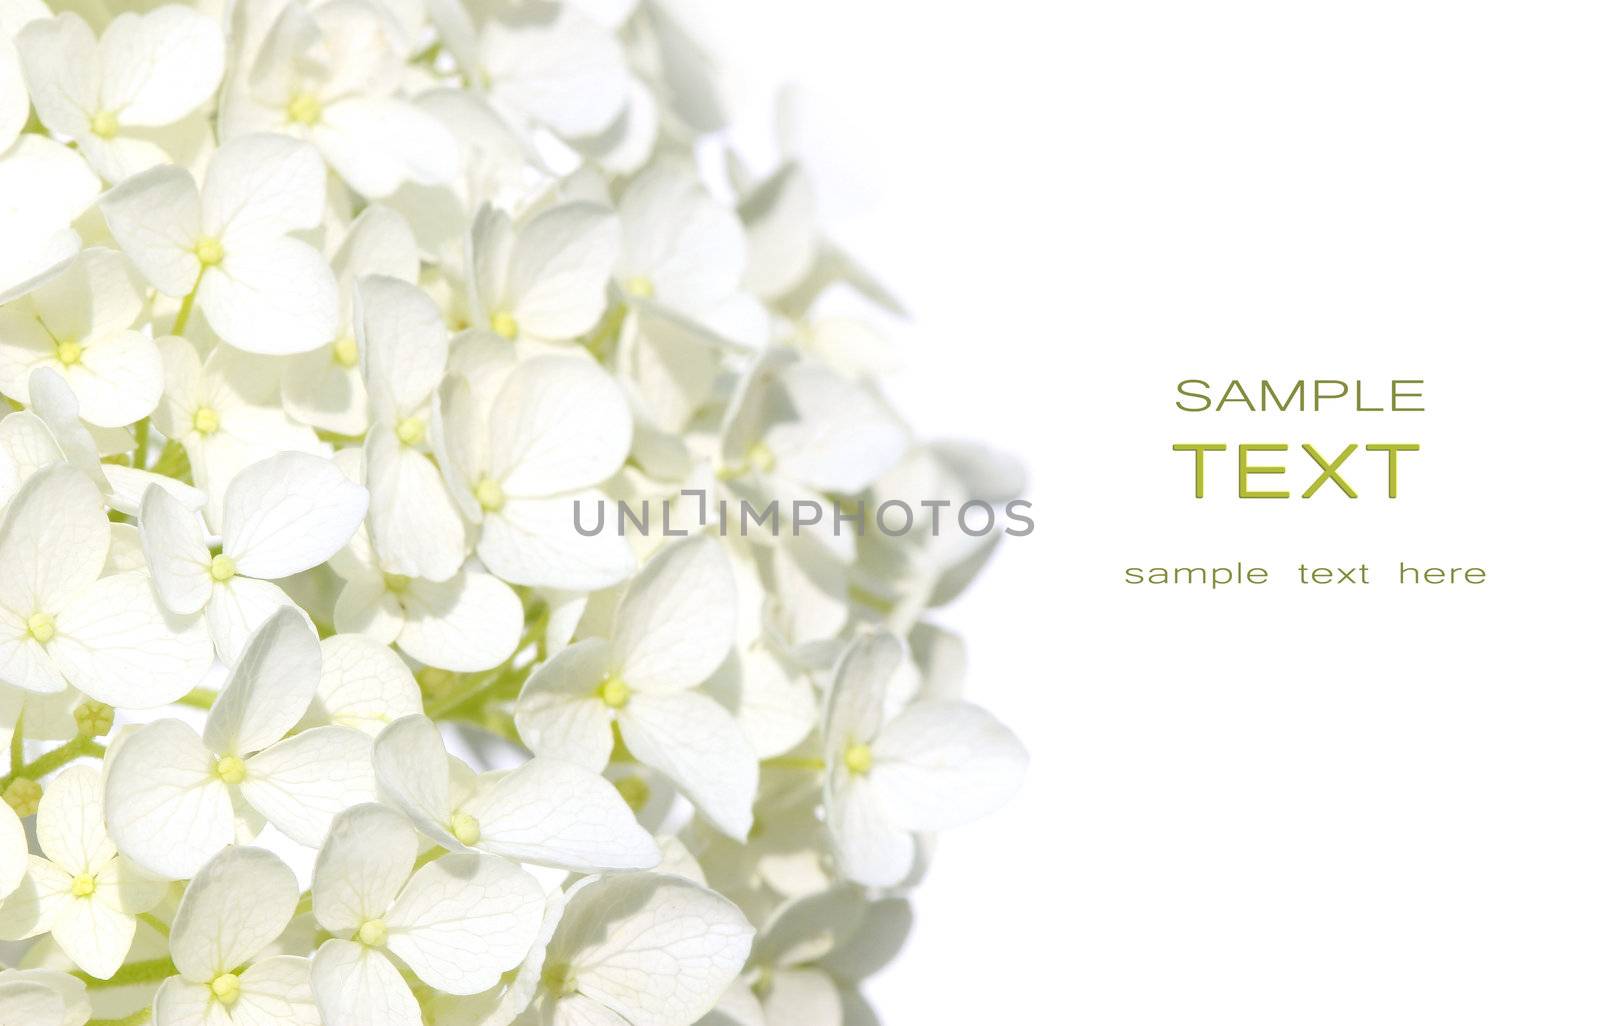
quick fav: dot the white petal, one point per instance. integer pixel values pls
(302, 782)
(559, 268)
(275, 296)
(54, 403)
(116, 644)
(536, 542)
(155, 218)
(869, 847)
(160, 66)
(276, 992)
(697, 744)
(25, 1002)
(59, 59)
(94, 935)
(412, 771)
(465, 919)
(235, 906)
(364, 685)
(166, 808)
(941, 764)
(416, 529)
(13, 94)
(471, 622)
(118, 379)
(269, 687)
(803, 997)
(839, 437)
(568, 73)
(556, 813)
(289, 513)
(357, 984)
(49, 186)
(175, 551)
(362, 866)
(237, 609)
(854, 710)
(689, 247)
(404, 345)
(13, 851)
(559, 423)
(677, 621)
(377, 144)
(71, 822)
(658, 949)
(53, 541)
(559, 713)
(259, 187)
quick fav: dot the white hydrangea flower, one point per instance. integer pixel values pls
(641, 948)
(223, 411)
(81, 890)
(416, 529)
(176, 797)
(236, 905)
(62, 623)
(81, 326)
(329, 74)
(145, 71)
(557, 427)
(420, 283)
(933, 766)
(323, 388)
(673, 627)
(457, 922)
(546, 811)
(229, 242)
(283, 515)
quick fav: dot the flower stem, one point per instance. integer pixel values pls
(54, 759)
(141, 443)
(199, 698)
(182, 320)
(136, 1019)
(149, 971)
(16, 745)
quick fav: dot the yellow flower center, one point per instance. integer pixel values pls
(104, 124)
(209, 251)
(230, 769)
(82, 885)
(634, 791)
(206, 420)
(639, 287)
(373, 933)
(858, 759)
(225, 988)
(559, 979)
(23, 795)
(489, 495)
(304, 109)
(345, 353)
(504, 324)
(93, 718)
(41, 627)
(69, 352)
(465, 828)
(411, 430)
(614, 692)
(222, 568)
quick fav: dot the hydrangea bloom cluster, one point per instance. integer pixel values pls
(320, 322)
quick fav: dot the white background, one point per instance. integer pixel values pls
(1262, 805)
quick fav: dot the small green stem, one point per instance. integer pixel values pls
(182, 320)
(148, 971)
(138, 1018)
(799, 762)
(16, 745)
(141, 443)
(199, 698)
(54, 759)
(155, 924)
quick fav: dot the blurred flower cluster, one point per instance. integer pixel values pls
(318, 321)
